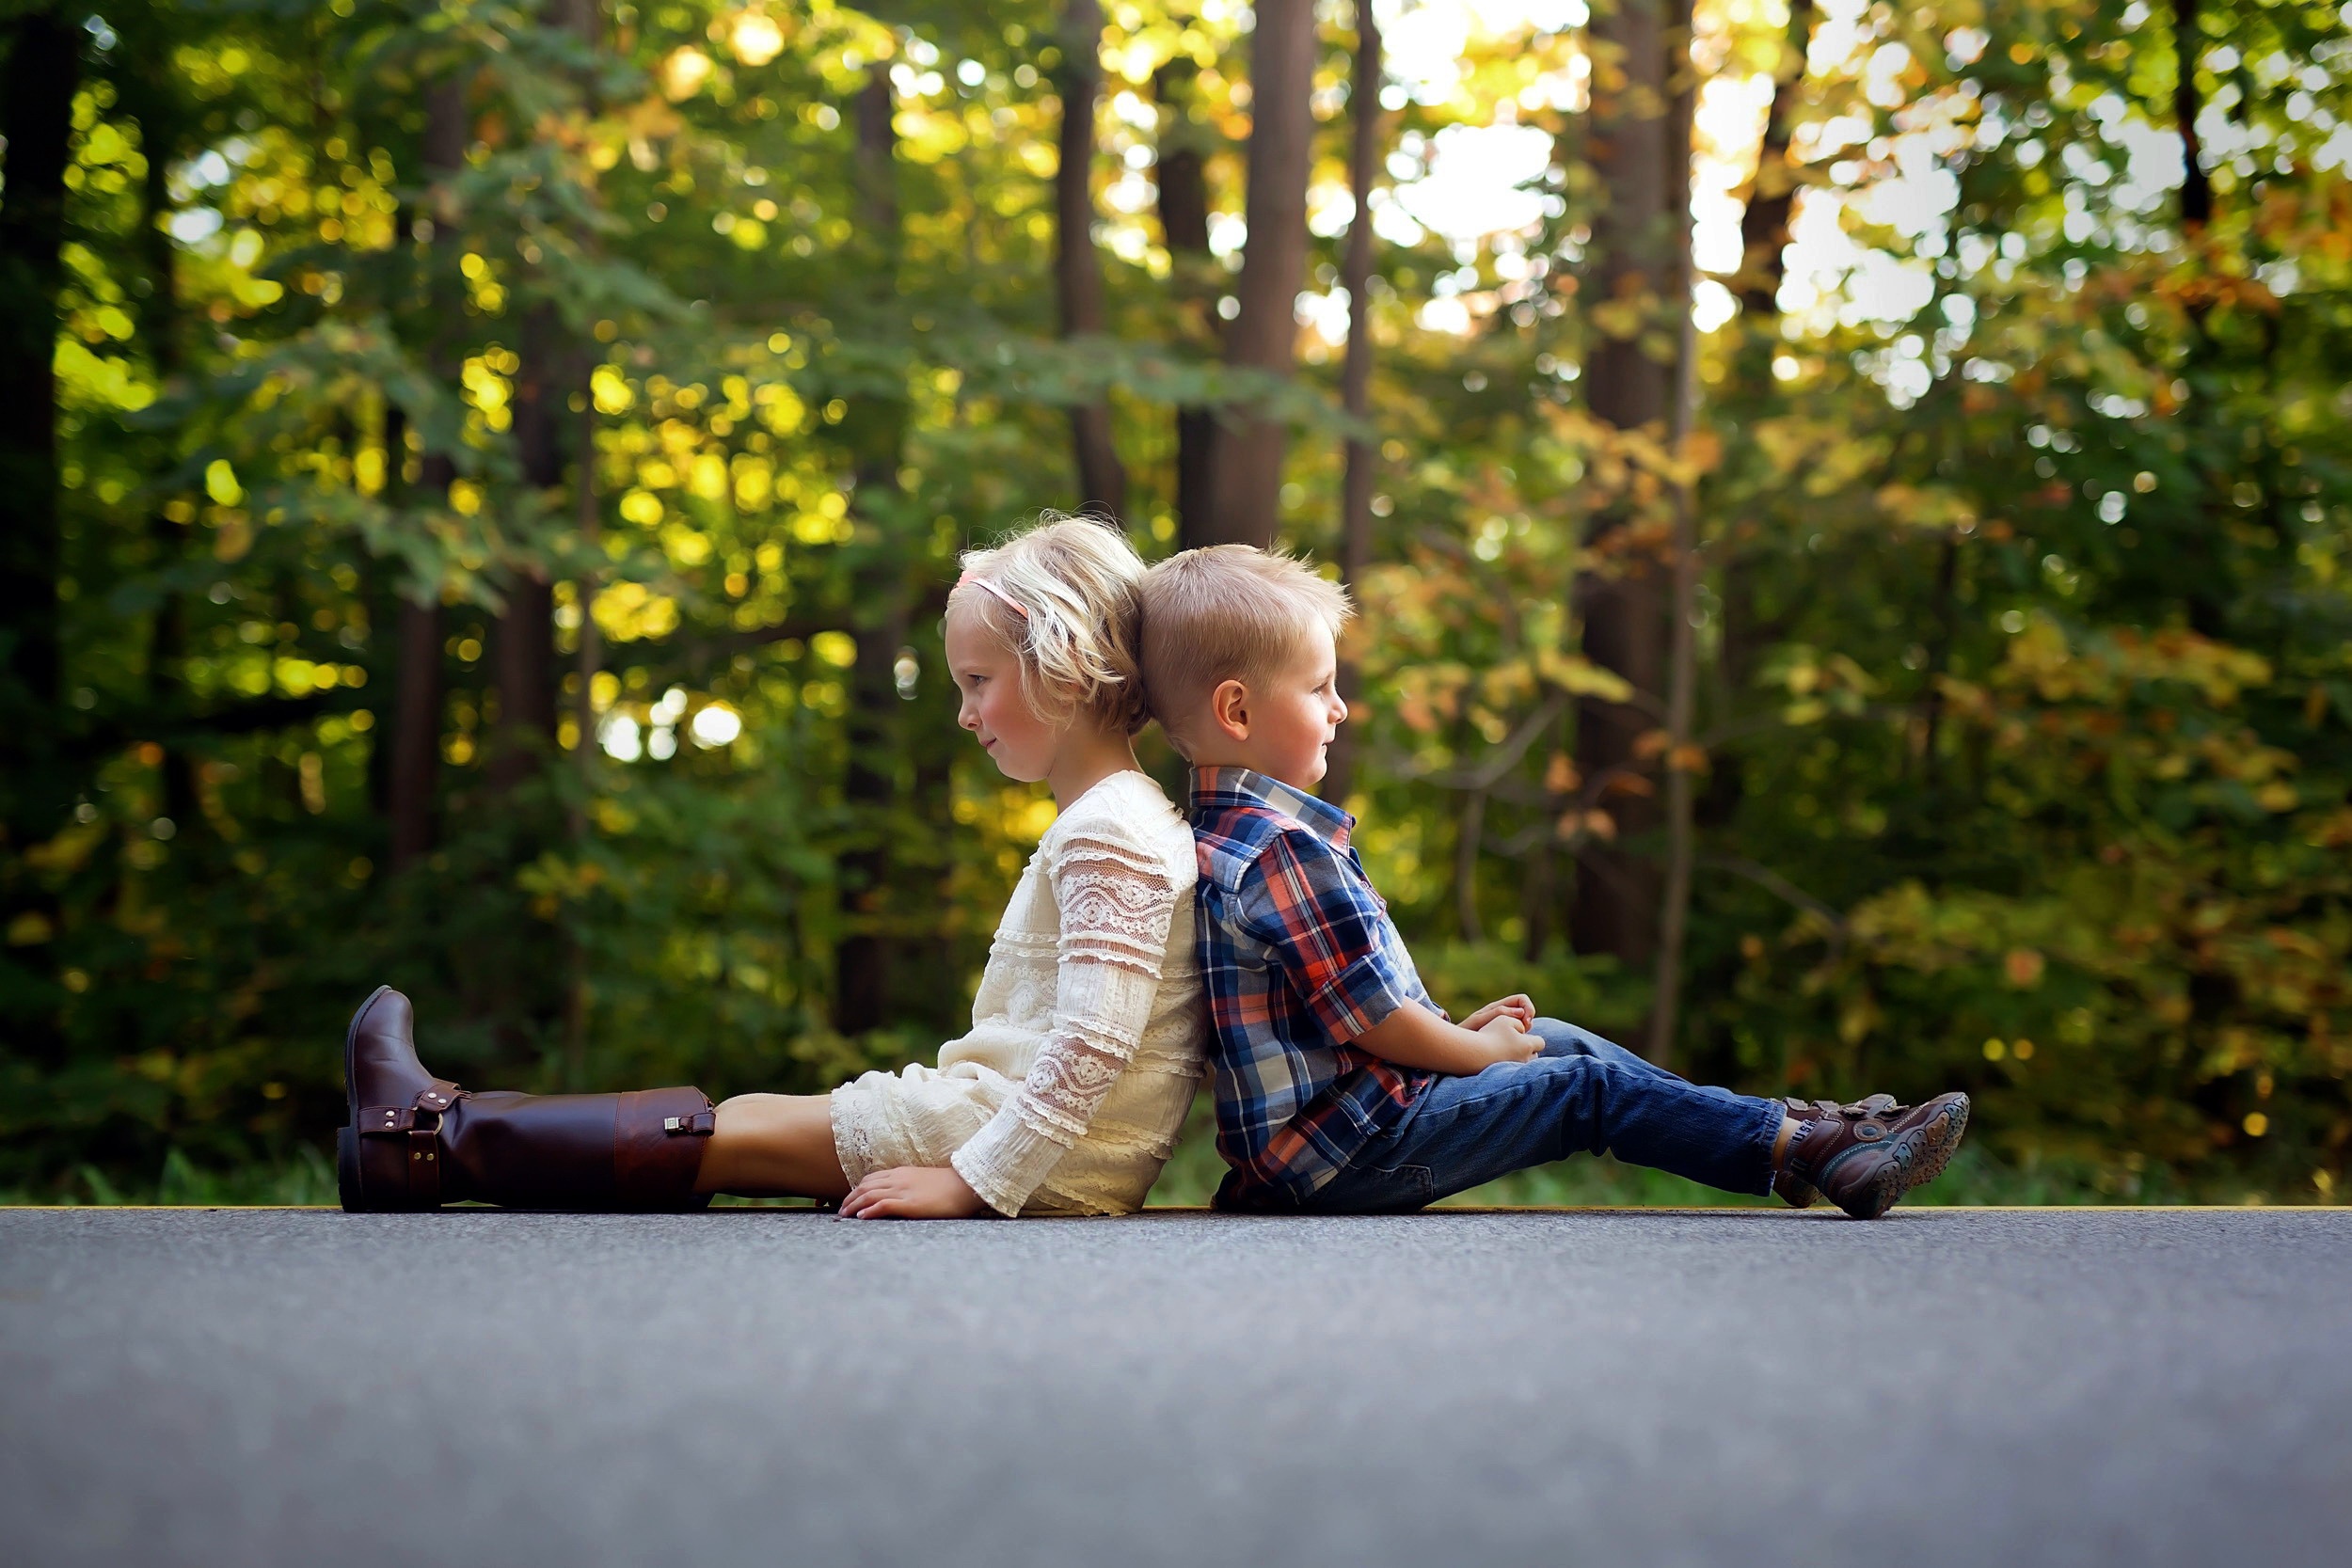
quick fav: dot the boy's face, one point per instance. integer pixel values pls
(1282, 725)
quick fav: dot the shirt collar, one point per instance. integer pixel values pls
(1328, 821)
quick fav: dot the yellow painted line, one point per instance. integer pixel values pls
(1912, 1209)
(1822, 1213)
(1826, 1212)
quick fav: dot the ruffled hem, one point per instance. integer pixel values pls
(881, 1120)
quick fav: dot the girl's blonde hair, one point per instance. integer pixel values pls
(1065, 596)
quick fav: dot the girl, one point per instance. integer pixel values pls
(1086, 1035)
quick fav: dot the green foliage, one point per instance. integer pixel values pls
(2026, 703)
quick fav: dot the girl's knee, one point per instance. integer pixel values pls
(765, 1118)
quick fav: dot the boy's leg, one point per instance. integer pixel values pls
(1562, 1038)
(1933, 1152)
(1470, 1129)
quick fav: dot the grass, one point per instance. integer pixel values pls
(1973, 1177)
(1602, 1182)
(1190, 1178)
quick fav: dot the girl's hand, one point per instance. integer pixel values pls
(1518, 1006)
(913, 1193)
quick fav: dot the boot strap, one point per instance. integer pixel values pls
(418, 1126)
(431, 1100)
(702, 1124)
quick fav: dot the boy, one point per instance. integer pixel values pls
(1340, 1087)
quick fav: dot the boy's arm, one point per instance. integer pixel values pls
(1415, 1037)
(1322, 924)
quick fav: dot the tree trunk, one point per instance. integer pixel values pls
(1077, 273)
(873, 431)
(416, 729)
(2196, 555)
(524, 642)
(1764, 221)
(1764, 242)
(1183, 186)
(44, 67)
(525, 637)
(1623, 616)
(1364, 166)
(37, 91)
(2188, 46)
(416, 738)
(1246, 474)
(1682, 648)
(160, 330)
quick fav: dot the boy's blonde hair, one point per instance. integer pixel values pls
(1064, 596)
(1227, 613)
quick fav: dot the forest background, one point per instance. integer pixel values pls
(481, 481)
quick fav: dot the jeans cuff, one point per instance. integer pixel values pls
(1769, 1132)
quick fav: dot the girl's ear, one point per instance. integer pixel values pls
(1228, 706)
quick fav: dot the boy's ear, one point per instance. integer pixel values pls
(1228, 709)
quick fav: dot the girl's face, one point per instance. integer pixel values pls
(988, 677)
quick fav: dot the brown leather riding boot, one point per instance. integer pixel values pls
(1863, 1157)
(417, 1141)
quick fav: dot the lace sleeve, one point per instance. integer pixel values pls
(1117, 902)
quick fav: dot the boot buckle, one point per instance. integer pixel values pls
(389, 1119)
(700, 1125)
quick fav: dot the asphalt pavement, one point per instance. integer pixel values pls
(1637, 1388)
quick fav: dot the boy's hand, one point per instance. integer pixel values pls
(1510, 1039)
(913, 1193)
(1415, 1037)
(1518, 1006)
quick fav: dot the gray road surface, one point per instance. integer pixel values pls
(762, 1387)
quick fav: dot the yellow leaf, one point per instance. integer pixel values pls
(610, 390)
(1808, 712)
(220, 482)
(1581, 677)
(708, 479)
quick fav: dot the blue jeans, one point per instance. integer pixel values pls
(1583, 1093)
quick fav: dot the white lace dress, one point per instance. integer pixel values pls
(1088, 1033)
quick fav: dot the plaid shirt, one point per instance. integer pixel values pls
(1300, 957)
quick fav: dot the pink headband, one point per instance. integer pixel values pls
(985, 586)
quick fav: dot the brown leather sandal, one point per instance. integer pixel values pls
(418, 1142)
(1863, 1157)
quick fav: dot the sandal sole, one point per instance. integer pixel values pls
(1932, 1160)
(1945, 1130)
(1920, 1156)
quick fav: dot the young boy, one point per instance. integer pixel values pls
(1341, 1086)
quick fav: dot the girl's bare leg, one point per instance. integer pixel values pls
(773, 1146)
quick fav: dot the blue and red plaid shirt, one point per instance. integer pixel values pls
(1300, 957)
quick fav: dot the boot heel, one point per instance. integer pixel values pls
(347, 1169)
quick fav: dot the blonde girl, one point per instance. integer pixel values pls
(1086, 1035)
